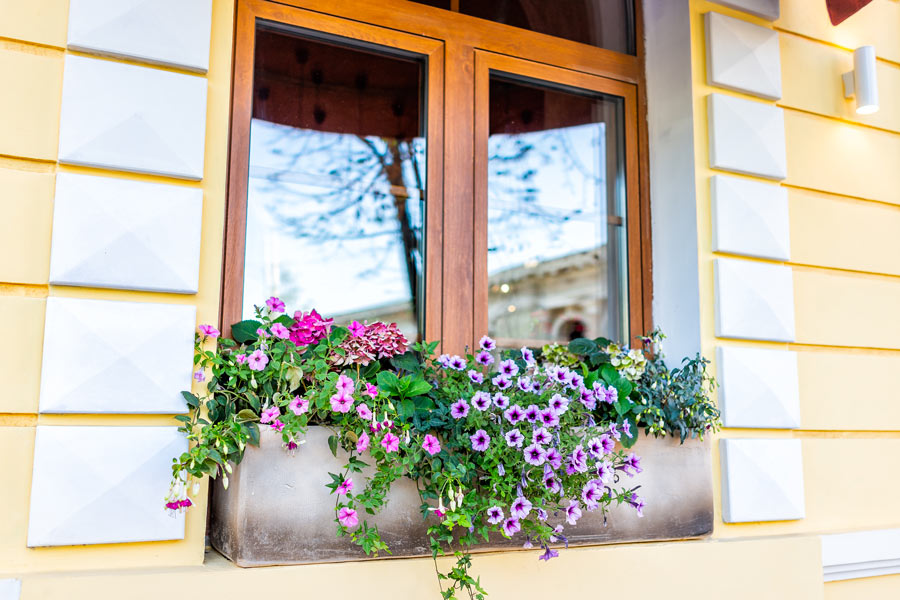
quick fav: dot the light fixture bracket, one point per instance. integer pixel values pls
(849, 84)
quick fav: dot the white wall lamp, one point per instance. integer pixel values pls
(862, 81)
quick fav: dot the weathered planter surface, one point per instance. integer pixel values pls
(278, 511)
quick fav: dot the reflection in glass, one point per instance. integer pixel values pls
(555, 216)
(603, 23)
(335, 200)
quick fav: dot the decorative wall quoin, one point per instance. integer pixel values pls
(746, 137)
(125, 234)
(750, 218)
(169, 32)
(754, 301)
(119, 116)
(10, 589)
(759, 387)
(762, 480)
(861, 554)
(742, 56)
(116, 357)
(113, 480)
(766, 9)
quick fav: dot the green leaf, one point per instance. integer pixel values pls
(623, 405)
(246, 416)
(332, 444)
(623, 386)
(192, 400)
(582, 346)
(389, 382)
(252, 430)
(406, 409)
(418, 387)
(406, 362)
(602, 342)
(609, 373)
(285, 320)
(245, 331)
(183, 418)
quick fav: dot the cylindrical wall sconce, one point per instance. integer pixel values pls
(862, 81)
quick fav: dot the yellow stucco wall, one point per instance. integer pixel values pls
(844, 194)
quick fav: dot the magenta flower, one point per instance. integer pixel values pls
(588, 398)
(527, 355)
(541, 436)
(262, 333)
(604, 471)
(277, 426)
(280, 331)
(520, 507)
(484, 358)
(269, 414)
(209, 331)
(457, 363)
(299, 405)
(501, 381)
(431, 445)
(371, 390)
(475, 376)
(509, 368)
(275, 305)
(347, 517)
(552, 483)
(345, 487)
(345, 385)
(511, 526)
(632, 464)
(535, 455)
(549, 417)
(573, 512)
(356, 329)
(559, 404)
(459, 409)
(591, 494)
(257, 360)
(444, 360)
(500, 401)
(532, 413)
(494, 515)
(390, 442)
(341, 403)
(199, 377)
(626, 428)
(548, 554)
(578, 459)
(309, 328)
(362, 444)
(514, 438)
(481, 401)
(364, 412)
(612, 394)
(554, 458)
(486, 343)
(524, 383)
(480, 440)
(514, 414)
(240, 358)
(607, 443)
(637, 502)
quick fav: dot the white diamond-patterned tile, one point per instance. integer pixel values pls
(104, 356)
(746, 137)
(102, 485)
(750, 218)
(10, 589)
(754, 300)
(762, 480)
(758, 387)
(130, 118)
(766, 9)
(168, 32)
(125, 234)
(742, 56)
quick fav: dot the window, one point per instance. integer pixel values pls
(398, 162)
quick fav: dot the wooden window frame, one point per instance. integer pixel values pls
(456, 206)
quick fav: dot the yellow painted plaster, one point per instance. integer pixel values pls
(38, 21)
(844, 233)
(737, 570)
(870, 588)
(20, 356)
(30, 99)
(26, 203)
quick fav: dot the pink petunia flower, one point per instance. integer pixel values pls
(199, 377)
(240, 358)
(209, 331)
(362, 444)
(431, 445)
(390, 442)
(341, 403)
(345, 385)
(280, 331)
(371, 390)
(299, 405)
(277, 426)
(363, 411)
(262, 333)
(270, 414)
(511, 526)
(347, 517)
(257, 360)
(345, 487)
(275, 305)
(356, 329)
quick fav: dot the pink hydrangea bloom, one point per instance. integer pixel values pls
(431, 445)
(347, 517)
(299, 405)
(390, 442)
(209, 331)
(356, 328)
(379, 340)
(362, 444)
(309, 328)
(275, 305)
(269, 414)
(257, 360)
(280, 331)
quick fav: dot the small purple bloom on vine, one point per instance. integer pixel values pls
(480, 440)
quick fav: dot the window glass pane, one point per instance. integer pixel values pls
(556, 235)
(335, 201)
(603, 23)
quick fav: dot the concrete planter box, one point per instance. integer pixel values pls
(277, 510)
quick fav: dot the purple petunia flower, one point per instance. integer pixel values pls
(632, 465)
(486, 343)
(459, 409)
(614, 431)
(524, 383)
(509, 368)
(535, 455)
(527, 356)
(626, 428)
(607, 443)
(532, 413)
(591, 495)
(549, 417)
(587, 398)
(494, 515)
(456, 362)
(559, 404)
(199, 377)
(575, 381)
(514, 438)
(542, 514)
(612, 394)
(480, 440)
(573, 512)
(637, 502)
(520, 507)
(511, 526)
(577, 462)
(514, 414)
(541, 436)
(484, 358)
(548, 554)
(552, 484)
(554, 458)
(501, 381)
(475, 376)
(561, 375)
(444, 360)
(604, 470)
(535, 387)
(500, 401)
(595, 447)
(481, 400)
